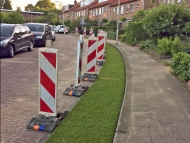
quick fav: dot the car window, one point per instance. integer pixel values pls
(61, 26)
(23, 30)
(6, 31)
(35, 27)
(17, 31)
(48, 28)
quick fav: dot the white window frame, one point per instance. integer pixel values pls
(137, 5)
(122, 9)
(100, 11)
(117, 10)
(172, 1)
(96, 12)
(127, 8)
(132, 7)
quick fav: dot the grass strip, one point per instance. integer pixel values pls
(94, 118)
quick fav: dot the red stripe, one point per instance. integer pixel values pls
(92, 69)
(91, 42)
(91, 56)
(51, 57)
(44, 107)
(100, 38)
(101, 47)
(47, 83)
(100, 57)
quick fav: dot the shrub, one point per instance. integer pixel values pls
(181, 65)
(148, 44)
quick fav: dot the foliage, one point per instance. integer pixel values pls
(45, 5)
(123, 19)
(148, 44)
(112, 23)
(29, 7)
(57, 22)
(18, 9)
(181, 65)
(42, 19)
(7, 5)
(139, 16)
(134, 32)
(166, 20)
(12, 17)
(51, 17)
(104, 20)
(167, 46)
(67, 23)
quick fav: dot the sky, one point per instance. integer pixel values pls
(23, 3)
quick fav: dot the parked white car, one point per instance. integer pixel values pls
(61, 28)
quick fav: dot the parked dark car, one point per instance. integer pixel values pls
(15, 38)
(42, 32)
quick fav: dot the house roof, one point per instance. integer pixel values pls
(72, 8)
(87, 6)
(115, 2)
(96, 5)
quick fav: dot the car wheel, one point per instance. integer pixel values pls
(31, 46)
(11, 51)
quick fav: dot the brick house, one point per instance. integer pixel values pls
(98, 9)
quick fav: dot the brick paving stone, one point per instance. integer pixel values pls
(19, 88)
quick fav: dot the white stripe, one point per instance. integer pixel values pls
(101, 42)
(48, 68)
(48, 99)
(100, 53)
(92, 48)
(91, 64)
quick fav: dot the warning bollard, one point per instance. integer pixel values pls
(76, 31)
(84, 32)
(48, 119)
(65, 30)
(98, 32)
(91, 32)
(101, 49)
(91, 61)
(77, 90)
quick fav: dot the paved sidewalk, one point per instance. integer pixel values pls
(156, 108)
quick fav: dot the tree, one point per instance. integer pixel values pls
(67, 23)
(7, 5)
(29, 7)
(18, 9)
(139, 16)
(45, 5)
(15, 17)
(51, 17)
(166, 20)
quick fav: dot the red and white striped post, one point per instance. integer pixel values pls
(98, 32)
(65, 30)
(79, 61)
(101, 47)
(48, 83)
(91, 57)
(84, 32)
(76, 31)
(91, 32)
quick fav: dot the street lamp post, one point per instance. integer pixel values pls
(117, 22)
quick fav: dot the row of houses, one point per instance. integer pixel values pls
(109, 9)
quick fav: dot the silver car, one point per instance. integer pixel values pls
(53, 28)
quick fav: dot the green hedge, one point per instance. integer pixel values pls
(134, 32)
(181, 65)
(111, 35)
(105, 28)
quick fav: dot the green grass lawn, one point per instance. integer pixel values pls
(94, 118)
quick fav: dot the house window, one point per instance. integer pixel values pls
(132, 7)
(164, 1)
(137, 5)
(179, 1)
(172, 1)
(96, 11)
(122, 9)
(113, 9)
(117, 10)
(79, 13)
(127, 8)
(100, 11)
(168, 1)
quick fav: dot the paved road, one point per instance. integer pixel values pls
(19, 89)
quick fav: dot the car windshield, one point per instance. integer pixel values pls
(61, 26)
(6, 31)
(35, 27)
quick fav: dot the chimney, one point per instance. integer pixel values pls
(75, 2)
